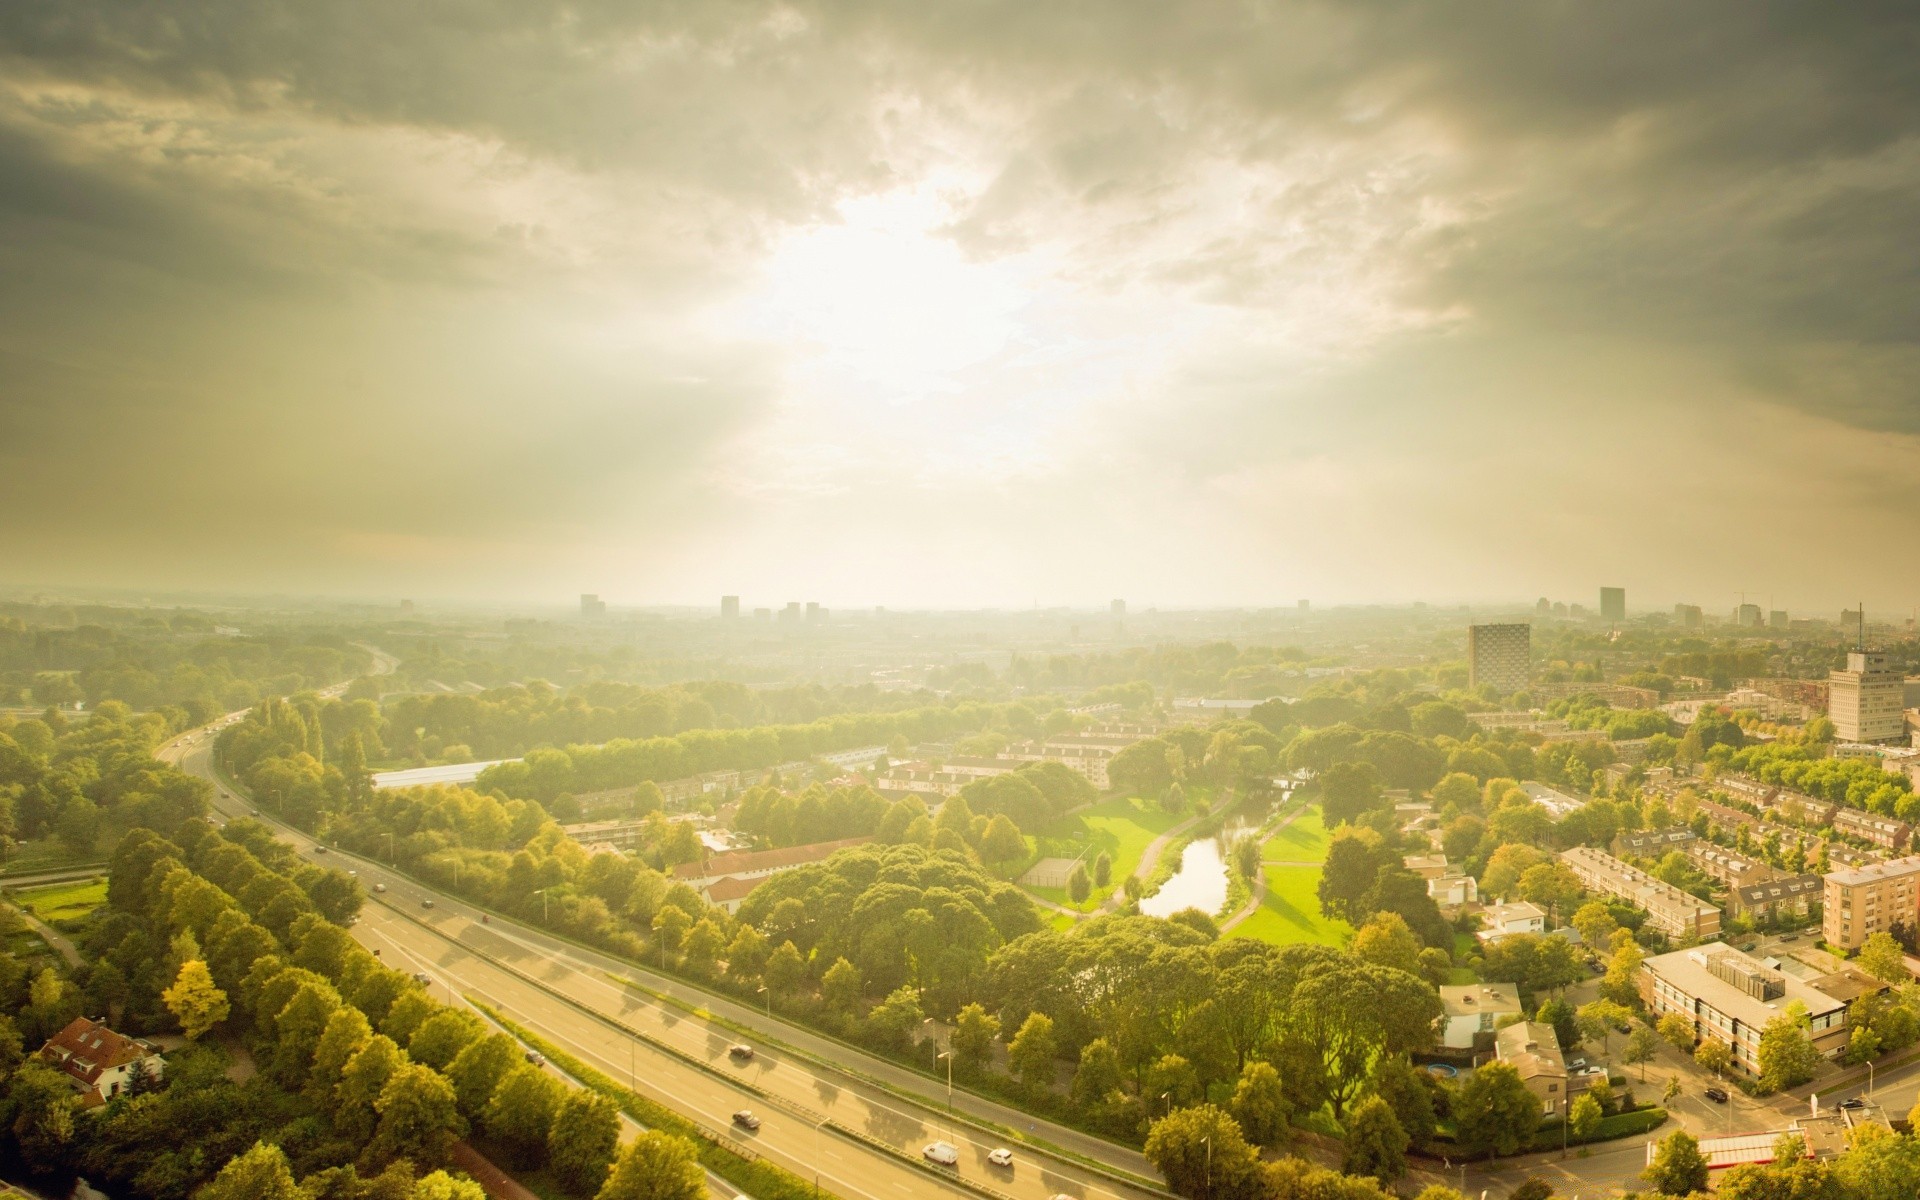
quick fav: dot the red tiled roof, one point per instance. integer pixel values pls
(745, 861)
(722, 891)
(86, 1048)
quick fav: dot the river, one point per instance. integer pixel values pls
(1201, 881)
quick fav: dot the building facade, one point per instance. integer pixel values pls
(1613, 604)
(1730, 998)
(1672, 911)
(1865, 700)
(98, 1062)
(1500, 655)
(1861, 901)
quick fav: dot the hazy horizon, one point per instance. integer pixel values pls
(939, 308)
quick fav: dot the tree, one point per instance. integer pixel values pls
(1677, 1029)
(1033, 1051)
(786, 970)
(1882, 957)
(346, 1034)
(840, 987)
(1407, 1092)
(974, 1032)
(1348, 791)
(1260, 1103)
(419, 1119)
(478, 1070)
(656, 1166)
(1102, 870)
(358, 1094)
(1787, 1056)
(194, 1001)
(1099, 1073)
(1584, 1117)
(442, 1186)
(1386, 940)
(895, 1018)
(1079, 884)
(1678, 1168)
(1174, 1078)
(1713, 1056)
(1599, 1018)
(442, 1037)
(583, 1141)
(1201, 1152)
(261, 1173)
(1494, 1112)
(1595, 922)
(1003, 841)
(1641, 1044)
(1375, 1145)
(520, 1114)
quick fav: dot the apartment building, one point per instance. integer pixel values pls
(1730, 867)
(1884, 832)
(1866, 700)
(1861, 901)
(1670, 910)
(1501, 655)
(1730, 997)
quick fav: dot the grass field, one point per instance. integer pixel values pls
(58, 900)
(1291, 911)
(1305, 840)
(1122, 827)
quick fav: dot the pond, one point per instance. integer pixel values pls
(1201, 881)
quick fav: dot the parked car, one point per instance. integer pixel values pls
(1856, 1102)
(944, 1153)
(1717, 1095)
(1000, 1156)
(746, 1120)
(740, 1050)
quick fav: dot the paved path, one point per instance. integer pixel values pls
(1260, 880)
(61, 945)
(499, 1185)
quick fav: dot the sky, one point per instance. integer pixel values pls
(959, 304)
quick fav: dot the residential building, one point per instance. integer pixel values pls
(1426, 866)
(1468, 1010)
(1730, 867)
(624, 834)
(1859, 902)
(1619, 695)
(1882, 831)
(98, 1062)
(728, 872)
(1652, 843)
(1504, 920)
(1500, 656)
(1452, 892)
(1790, 805)
(1532, 1049)
(1670, 910)
(1865, 700)
(1730, 997)
(1746, 787)
(1613, 604)
(1748, 616)
(1689, 616)
(592, 606)
(1777, 899)
(1555, 801)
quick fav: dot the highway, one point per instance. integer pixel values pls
(576, 999)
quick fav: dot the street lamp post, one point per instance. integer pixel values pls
(769, 994)
(390, 847)
(1168, 1097)
(948, 1055)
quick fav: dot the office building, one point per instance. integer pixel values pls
(1613, 604)
(1689, 616)
(1500, 655)
(730, 608)
(1864, 701)
(1747, 616)
(1731, 997)
(791, 613)
(1672, 911)
(1862, 901)
(1778, 619)
(815, 614)
(592, 605)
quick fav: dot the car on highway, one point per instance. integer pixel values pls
(746, 1120)
(944, 1153)
(379, 887)
(353, 874)
(426, 904)
(536, 1058)
(1000, 1156)
(319, 849)
(256, 812)
(740, 1050)
(1717, 1095)
(422, 977)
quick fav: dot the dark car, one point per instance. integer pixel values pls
(1717, 1095)
(319, 849)
(426, 904)
(746, 1120)
(1856, 1102)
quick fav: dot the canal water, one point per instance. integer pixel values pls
(1201, 881)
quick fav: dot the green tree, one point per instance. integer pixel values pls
(1201, 1152)
(1259, 1103)
(1494, 1112)
(478, 1070)
(786, 969)
(1678, 1168)
(1641, 1044)
(361, 1082)
(895, 1019)
(1406, 1091)
(974, 1032)
(1883, 958)
(1102, 870)
(840, 987)
(1173, 1078)
(1386, 940)
(583, 1141)
(1375, 1143)
(1598, 1020)
(1677, 1029)
(520, 1114)
(656, 1166)
(194, 1001)
(1584, 1117)
(1032, 1052)
(1003, 841)
(442, 1036)
(1099, 1074)
(419, 1119)
(1079, 884)
(261, 1173)
(346, 1034)
(1595, 923)
(1348, 791)
(441, 1186)
(1787, 1056)
(1713, 1056)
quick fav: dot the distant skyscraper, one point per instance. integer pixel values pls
(1305, 605)
(791, 612)
(1500, 655)
(1747, 616)
(815, 614)
(592, 605)
(1613, 604)
(1689, 616)
(1864, 700)
(1543, 606)
(730, 608)
(1778, 619)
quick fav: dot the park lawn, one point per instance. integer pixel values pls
(1122, 828)
(52, 854)
(1305, 840)
(60, 900)
(1290, 912)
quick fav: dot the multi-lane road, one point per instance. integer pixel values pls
(822, 1113)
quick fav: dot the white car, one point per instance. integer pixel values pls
(943, 1153)
(1000, 1156)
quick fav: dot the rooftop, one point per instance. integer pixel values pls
(1472, 999)
(1687, 970)
(1875, 872)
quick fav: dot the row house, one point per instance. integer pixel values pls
(1884, 832)
(1672, 911)
(1778, 898)
(1730, 867)
(1652, 843)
